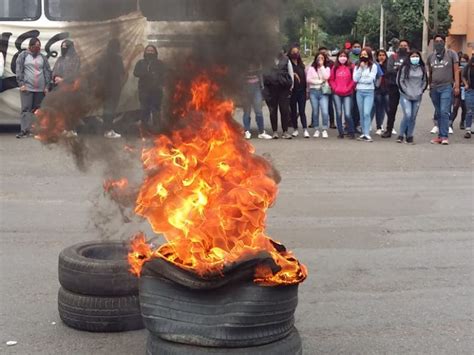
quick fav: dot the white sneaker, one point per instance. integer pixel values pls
(264, 135)
(379, 132)
(112, 134)
(295, 133)
(316, 134)
(325, 134)
(435, 130)
(394, 132)
(451, 130)
(69, 134)
(306, 133)
(247, 135)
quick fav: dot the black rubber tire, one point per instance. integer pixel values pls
(99, 314)
(98, 268)
(237, 315)
(290, 345)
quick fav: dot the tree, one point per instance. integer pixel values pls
(368, 24)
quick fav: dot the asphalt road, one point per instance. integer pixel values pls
(385, 229)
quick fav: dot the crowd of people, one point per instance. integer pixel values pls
(36, 78)
(361, 86)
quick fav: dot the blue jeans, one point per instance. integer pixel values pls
(318, 100)
(410, 110)
(441, 98)
(469, 99)
(380, 108)
(365, 102)
(344, 103)
(253, 99)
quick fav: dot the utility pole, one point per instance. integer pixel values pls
(426, 18)
(381, 42)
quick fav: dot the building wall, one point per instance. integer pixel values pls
(461, 34)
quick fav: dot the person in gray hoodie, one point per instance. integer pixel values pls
(33, 75)
(412, 81)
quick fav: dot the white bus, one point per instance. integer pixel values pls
(171, 25)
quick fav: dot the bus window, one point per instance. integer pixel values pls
(184, 10)
(88, 10)
(20, 10)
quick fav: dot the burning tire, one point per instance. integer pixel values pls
(99, 314)
(290, 345)
(97, 269)
(241, 314)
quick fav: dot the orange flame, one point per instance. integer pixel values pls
(208, 193)
(111, 184)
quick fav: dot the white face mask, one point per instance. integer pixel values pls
(343, 60)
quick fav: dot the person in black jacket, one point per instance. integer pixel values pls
(298, 95)
(278, 84)
(150, 72)
(112, 74)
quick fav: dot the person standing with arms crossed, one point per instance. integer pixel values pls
(33, 75)
(443, 68)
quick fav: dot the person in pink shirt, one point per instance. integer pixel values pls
(342, 87)
(317, 75)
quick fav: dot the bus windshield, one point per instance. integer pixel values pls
(88, 10)
(184, 10)
(16, 10)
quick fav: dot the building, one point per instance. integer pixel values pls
(461, 34)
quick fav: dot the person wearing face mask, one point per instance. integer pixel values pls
(65, 72)
(355, 52)
(381, 92)
(33, 75)
(393, 65)
(364, 75)
(342, 87)
(468, 80)
(444, 78)
(459, 101)
(68, 65)
(150, 72)
(298, 94)
(317, 76)
(278, 83)
(412, 81)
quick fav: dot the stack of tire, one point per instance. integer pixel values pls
(98, 293)
(187, 317)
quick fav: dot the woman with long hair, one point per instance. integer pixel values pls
(317, 76)
(298, 95)
(342, 87)
(459, 101)
(381, 98)
(412, 81)
(364, 75)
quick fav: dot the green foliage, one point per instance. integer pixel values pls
(368, 24)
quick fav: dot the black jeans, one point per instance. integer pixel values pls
(150, 104)
(298, 104)
(110, 108)
(393, 101)
(279, 99)
(457, 103)
(331, 110)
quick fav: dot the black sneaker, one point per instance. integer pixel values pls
(340, 136)
(467, 135)
(332, 126)
(400, 139)
(23, 134)
(351, 136)
(387, 134)
(461, 125)
(410, 140)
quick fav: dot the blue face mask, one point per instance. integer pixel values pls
(415, 60)
(463, 64)
(356, 51)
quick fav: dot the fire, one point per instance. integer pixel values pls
(111, 184)
(207, 192)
